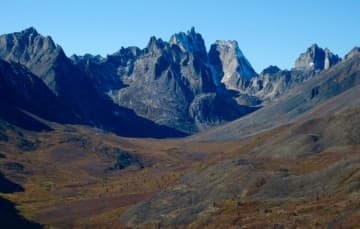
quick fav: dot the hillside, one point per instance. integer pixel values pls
(285, 176)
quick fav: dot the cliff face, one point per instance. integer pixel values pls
(232, 69)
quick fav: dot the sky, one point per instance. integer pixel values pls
(269, 32)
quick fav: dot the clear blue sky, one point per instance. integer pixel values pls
(268, 31)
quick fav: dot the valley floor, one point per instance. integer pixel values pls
(73, 177)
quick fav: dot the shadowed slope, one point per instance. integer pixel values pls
(65, 90)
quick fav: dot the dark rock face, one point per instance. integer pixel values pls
(317, 59)
(48, 61)
(20, 89)
(36, 52)
(272, 83)
(166, 79)
(125, 159)
(122, 159)
(211, 108)
(104, 72)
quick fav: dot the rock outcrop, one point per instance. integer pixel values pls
(316, 58)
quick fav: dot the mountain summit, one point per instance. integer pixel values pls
(316, 58)
(191, 42)
(36, 52)
(231, 66)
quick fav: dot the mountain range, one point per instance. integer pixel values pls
(167, 89)
(234, 148)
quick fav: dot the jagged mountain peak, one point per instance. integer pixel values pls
(353, 52)
(86, 58)
(23, 46)
(30, 30)
(131, 50)
(155, 44)
(272, 69)
(31, 36)
(230, 46)
(192, 30)
(316, 58)
(314, 46)
(35, 51)
(231, 66)
(189, 42)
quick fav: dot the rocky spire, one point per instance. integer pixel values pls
(316, 58)
(155, 44)
(30, 30)
(231, 66)
(191, 42)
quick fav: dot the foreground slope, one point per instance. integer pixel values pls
(287, 176)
